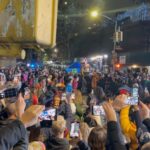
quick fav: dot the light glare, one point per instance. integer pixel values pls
(94, 13)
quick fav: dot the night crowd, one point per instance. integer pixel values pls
(55, 110)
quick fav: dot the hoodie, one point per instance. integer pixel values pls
(54, 143)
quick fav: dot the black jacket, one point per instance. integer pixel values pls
(65, 111)
(54, 143)
(113, 137)
(13, 135)
(146, 122)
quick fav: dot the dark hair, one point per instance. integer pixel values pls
(34, 133)
(75, 148)
(91, 122)
(97, 138)
(146, 100)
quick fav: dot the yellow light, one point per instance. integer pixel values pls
(97, 57)
(65, 2)
(134, 66)
(94, 13)
(118, 66)
(89, 28)
(55, 50)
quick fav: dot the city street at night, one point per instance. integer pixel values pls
(74, 75)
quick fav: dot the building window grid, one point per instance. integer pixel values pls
(141, 13)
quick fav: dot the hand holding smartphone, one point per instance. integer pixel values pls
(98, 110)
(75, 129)
(48, 114)
(134, 98)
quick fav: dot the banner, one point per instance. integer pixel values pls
(122, 60)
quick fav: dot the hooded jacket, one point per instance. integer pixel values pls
(54, 143)
(128, 127)
(13, 135)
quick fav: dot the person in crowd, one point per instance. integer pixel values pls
(36, 146)
(75, 83)
(95, 78)
(72, 104)
(121, 126)
(98, 136)
(35, 100)
(85, 131)
(147, 101)
(69, 88)
(12, 130)
(57, 141)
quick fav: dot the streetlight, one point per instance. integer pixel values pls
(105, 56)
(105, 66)
(94, 13)
(89, 28)
(65, 2)
(56, 50)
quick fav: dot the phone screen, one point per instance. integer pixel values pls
(27, 91)
(63, 97)
(133, 100)
(135, 92)
(98, 110)
(75, 127)
(48, 114)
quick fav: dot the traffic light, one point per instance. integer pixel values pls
(117, 66)
(118, 36)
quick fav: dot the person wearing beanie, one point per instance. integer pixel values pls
(128, 127)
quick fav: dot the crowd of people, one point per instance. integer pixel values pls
(56, 110)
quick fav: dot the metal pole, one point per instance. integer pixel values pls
(114, 54)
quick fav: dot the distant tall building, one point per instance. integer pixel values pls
(135, 25)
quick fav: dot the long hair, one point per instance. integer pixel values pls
(85, 131)
(97, 138)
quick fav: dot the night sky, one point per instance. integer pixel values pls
(86, 36)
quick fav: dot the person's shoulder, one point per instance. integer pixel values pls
(56, 142)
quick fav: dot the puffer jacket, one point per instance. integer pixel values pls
(13, 135)
(128, 127)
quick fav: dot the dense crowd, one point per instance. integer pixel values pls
(55, 110)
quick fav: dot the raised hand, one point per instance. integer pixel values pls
(144, 110)
(119, 102)
(31, 115)
(109, 111)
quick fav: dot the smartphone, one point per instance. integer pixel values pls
(135, 92)
(75, 128)
(26, 91)
(134, 99)
(63, 97)
(48, 114)
(98, 110)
